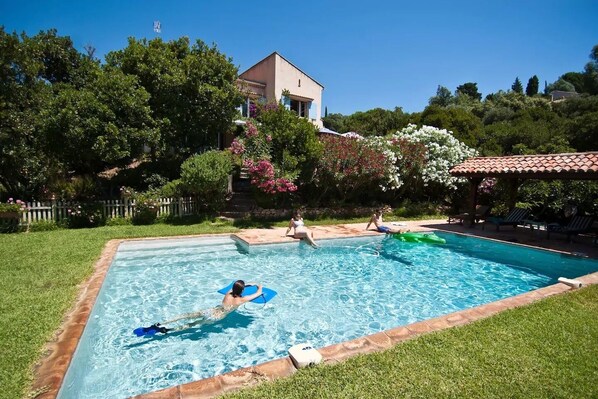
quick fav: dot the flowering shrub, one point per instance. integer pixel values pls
(349, 166)
(84, 215)
(13, 205)
(10, 215)
(486, 187)
(146, 208)
(237, 147)
(253, 150)
(263, 177)
(443, 151)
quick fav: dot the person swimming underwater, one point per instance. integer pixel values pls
(231, 301)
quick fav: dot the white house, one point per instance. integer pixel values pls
(276, 79)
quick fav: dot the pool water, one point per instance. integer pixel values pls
(346, 289)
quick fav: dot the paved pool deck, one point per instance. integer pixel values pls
(50, 372)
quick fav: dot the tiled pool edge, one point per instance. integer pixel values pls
(51, 370)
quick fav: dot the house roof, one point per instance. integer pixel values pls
(578, 166)
(276, 53)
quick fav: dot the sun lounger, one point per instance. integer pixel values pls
(481, 211)
(577, 225)
(514, 218)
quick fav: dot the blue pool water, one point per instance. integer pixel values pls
(346, 289)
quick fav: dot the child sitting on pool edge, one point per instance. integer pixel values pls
(376, 220)
(301, 231)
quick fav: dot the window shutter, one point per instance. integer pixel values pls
(313, 110)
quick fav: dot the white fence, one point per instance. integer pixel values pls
(58, 210)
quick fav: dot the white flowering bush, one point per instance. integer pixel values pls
(443, 151)
(417, 161)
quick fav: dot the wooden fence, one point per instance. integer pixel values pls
(59, 210)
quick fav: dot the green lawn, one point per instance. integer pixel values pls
(545, 350)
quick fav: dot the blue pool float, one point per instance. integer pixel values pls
(429, 238)
(267, 293)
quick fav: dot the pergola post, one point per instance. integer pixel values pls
(474, 182)
(513, 186)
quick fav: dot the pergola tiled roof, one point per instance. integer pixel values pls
(577, 166)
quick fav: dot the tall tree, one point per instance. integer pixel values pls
(532, 86)
(517, 87)
(591, 72)
(443, 97)
(561, 84)
(469, 89)
(103, 124)
(335, 122)
(28, 66)
(193, 92)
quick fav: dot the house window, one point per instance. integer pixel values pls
(248, 109)
(300, 107)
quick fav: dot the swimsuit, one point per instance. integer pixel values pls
(298, 223)
(383, 229)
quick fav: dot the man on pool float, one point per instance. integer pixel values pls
(231, 301)
(376, 220)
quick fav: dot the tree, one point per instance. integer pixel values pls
(591, 72)
(25, 91)
(532, 86)
(335, 122)
(103, 124)
(561, 84)
(517, 87)
(295, 147)
(470, 90)
(465, 126)
(193, 93)
(443, 97)
(376, 122)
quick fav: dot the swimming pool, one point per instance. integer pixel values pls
(346, 289)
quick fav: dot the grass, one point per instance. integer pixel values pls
(40, 273)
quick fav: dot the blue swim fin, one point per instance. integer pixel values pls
(149, 331)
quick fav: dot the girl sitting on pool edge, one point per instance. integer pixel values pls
(231, 301)
(376, 220)
(301, 231)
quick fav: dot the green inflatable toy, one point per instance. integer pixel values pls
(429, 238)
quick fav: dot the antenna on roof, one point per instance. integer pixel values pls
(157, 27)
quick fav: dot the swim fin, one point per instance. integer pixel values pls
(151, 330)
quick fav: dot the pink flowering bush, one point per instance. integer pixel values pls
(349, 167)
(237, 147)
(253, 150)
(13, 205)
(10, 215)
(263, 177)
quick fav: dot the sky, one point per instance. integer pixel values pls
(366, 54)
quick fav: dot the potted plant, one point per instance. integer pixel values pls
(10, 215)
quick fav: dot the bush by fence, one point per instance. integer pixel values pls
(58, 211)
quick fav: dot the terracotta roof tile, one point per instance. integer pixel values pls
(583, 165)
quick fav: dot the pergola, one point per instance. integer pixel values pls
(574, 166)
